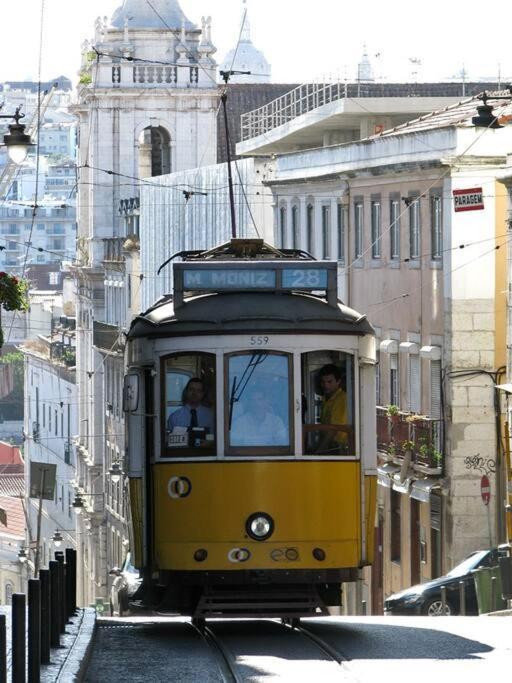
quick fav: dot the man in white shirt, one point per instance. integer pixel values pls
(258, 426)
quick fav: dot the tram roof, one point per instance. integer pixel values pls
(249, 312)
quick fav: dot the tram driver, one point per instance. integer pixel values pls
(333, 410)
(194, 414)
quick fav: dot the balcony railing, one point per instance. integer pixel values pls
(396, 434)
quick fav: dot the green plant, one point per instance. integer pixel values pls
(13, 295)
(392, 410)
(85, 79)
(429, 452)
(392, 448)
(407, 445)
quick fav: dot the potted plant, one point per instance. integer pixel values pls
(393, 413)
(408, 446)
(429, 453)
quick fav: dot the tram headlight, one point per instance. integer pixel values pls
(260, 526)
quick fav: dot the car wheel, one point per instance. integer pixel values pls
(434, 608)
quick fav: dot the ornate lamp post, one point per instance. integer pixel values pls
(17, 141)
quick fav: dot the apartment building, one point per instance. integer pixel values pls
(416, 220)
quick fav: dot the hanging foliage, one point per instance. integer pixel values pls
(13, 295)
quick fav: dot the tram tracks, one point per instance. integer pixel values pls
(231, 652)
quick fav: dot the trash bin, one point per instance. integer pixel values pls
(488, 596)
(506, 577)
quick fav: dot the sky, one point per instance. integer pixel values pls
(303, 41)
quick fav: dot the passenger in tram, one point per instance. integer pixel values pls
(259, 425)
(194, 413)
(334, 408)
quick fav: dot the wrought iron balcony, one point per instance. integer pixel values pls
(422, 436)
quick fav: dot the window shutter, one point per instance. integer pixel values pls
(435, 389)
(414, 384)
(435, 512)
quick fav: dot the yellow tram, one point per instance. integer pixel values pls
(250, 410)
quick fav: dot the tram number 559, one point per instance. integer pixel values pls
(260, 341)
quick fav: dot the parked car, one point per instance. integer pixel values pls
(126, 582)
(425, 598)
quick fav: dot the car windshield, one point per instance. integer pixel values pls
(468, 564)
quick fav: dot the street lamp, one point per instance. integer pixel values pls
(486, 117)
(115, 473)
(22, 555)
(57, 539)
(17, 141)
(78, 504)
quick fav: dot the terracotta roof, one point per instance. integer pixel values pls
(10, 455)
(12, 480)
(15, 517)
(459, 114)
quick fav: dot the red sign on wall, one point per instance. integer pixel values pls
(485, 489)
(468, 200)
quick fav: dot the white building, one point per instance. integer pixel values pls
(148, 115)
(51, 422)
(431, 278)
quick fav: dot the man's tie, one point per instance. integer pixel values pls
(193, 418)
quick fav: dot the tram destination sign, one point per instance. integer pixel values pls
(199, 279)
(468, 200)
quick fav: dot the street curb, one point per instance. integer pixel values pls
(75, 667)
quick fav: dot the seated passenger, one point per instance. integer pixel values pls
(194, 413)
(259, 426)
(334, 408)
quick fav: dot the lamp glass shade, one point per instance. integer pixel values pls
(17, 153)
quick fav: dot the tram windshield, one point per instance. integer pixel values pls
(328, 403)
(258, 407)
(189, 402)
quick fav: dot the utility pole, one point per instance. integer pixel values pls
(226, 75)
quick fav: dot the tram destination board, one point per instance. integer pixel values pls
(199, 279)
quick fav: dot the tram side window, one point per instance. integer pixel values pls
(189, 405)
(328, 403)
(258, 405)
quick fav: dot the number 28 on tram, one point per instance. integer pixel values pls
(250, 408)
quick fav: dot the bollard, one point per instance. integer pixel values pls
(3, 649)
(44, 579)
(363, 608)
(59, 556)
(34, 631)
(70, 583)
(443, 601)
(462, 598)
(18, 638)
(54, 604)
(493, 594)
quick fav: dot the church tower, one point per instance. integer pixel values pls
(147, 106)
(247, 57)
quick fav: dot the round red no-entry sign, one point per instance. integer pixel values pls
(485, 489)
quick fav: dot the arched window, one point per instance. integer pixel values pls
(154, 152)
(295, 228)
(282, 227)
(310, 217)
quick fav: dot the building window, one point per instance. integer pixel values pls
(435, 389)
(326, 217)
(282, 227)
(396, 527)
(295, 228)
(394, 219)
(376, 231)
(358, 228)
(436, 227)
(394, 380)
(414, 229)
(414, 383)
(340, 225)
(435, 535)
(377, 380)
(310, 217)
(154, 152)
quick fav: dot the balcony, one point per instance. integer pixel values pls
(407, 432)
(113, 250)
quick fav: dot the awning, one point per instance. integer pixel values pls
(386, 472)
(504, 387)
(421, 489)
(401, 486)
